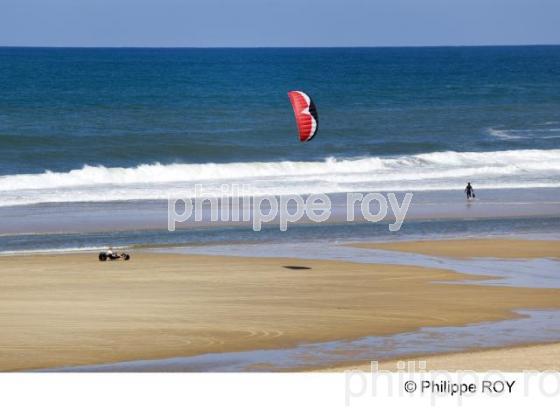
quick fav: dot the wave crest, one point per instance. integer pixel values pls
(429, 171)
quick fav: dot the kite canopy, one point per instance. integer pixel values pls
(305, 111)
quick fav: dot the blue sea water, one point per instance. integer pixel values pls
(63, 108)
(106, 125)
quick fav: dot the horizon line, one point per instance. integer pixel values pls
(285, 47)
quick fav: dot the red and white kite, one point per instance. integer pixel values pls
(305, 111)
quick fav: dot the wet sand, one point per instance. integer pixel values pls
(65, 310)
(475, 248)
(545, 357)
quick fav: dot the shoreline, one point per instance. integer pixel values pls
(495, 248)
(357, 232)
(70, 309)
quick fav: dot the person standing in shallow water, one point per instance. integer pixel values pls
(469, 191)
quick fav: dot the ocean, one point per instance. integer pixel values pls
(87, 133)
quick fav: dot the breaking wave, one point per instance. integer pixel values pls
(421, 172)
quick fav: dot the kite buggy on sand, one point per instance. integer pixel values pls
(111, 256)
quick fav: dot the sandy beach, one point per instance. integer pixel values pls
(70, 309)
(475, 248)
(540, 358)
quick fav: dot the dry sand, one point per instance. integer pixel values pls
(512, 359)
(475, 248)
(61, 310)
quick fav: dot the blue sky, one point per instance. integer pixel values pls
(249, 23)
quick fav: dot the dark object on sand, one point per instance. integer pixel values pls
(295, 267)
(103, 256)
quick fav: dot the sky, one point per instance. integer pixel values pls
(277, 23)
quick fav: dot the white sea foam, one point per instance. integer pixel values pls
(536, 133)
(421, 172)
(505, 135)
(57, 250)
